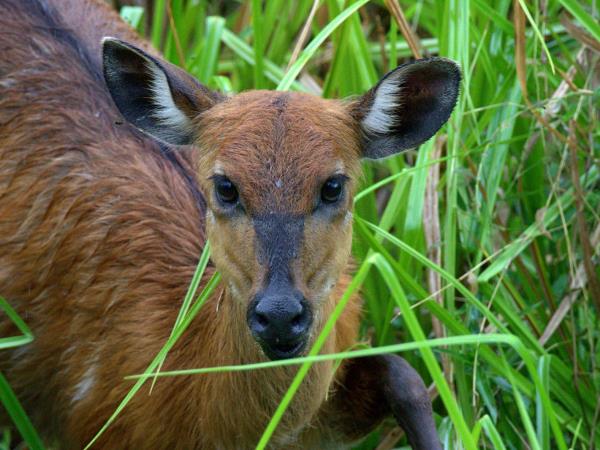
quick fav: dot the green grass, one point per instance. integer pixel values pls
(517, 363)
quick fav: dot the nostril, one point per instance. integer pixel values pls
(301, 321)
(262, 320)
(297, 321)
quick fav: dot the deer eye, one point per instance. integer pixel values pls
(333, 189)
(226, 191)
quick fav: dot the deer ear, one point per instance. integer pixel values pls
(155, 96)
(408, 106)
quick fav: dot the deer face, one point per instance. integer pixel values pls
(278, 172)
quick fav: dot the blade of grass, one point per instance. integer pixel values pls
(7, 397)
(537, 33)
(311, 48)
(189, 296)
(259, 43)
(436, 373)
(157, 23)
(18, 415)
(588, 20)
(492, 432)
(470, 339)
(473, 300)
(205, 60)
(244, 51)
(204, 295)
(14, 341)
(542, 422)
(532, 441)
(513, 249)
(316, 348)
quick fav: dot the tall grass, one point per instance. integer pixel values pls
(486, 238)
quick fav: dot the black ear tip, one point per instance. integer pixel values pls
(441, 75)
(438, 66)
(109, 42)
(115, 46)
(449, 68)
(121, 57)
(447, 64)
(111, 48)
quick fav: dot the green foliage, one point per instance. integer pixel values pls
(7, 396)
(522, 323)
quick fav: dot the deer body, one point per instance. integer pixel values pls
(101, 227)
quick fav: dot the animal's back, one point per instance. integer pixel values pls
(98, 224)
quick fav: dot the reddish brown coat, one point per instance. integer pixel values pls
(99, 237)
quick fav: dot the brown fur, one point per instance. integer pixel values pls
(100, 234)
(261, 139)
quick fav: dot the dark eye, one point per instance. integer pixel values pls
(332, 190)
(226, 191)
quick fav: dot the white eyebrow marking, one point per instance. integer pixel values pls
(218, 169)
(210, 216)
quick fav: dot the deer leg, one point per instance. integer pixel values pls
(409, 401)
(371, 389)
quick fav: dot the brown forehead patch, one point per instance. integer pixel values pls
(278, 148)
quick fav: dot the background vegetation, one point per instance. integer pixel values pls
(486, 237)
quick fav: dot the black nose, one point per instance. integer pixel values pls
(280, 324)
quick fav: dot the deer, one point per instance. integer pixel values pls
(116, 168)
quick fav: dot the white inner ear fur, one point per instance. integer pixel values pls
(381, 118)
(166, 110)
